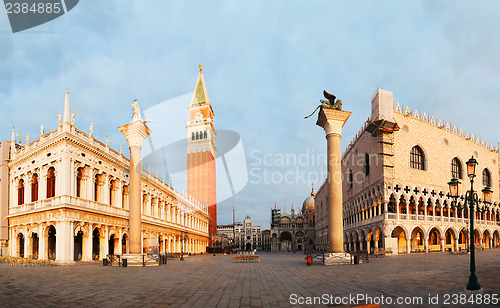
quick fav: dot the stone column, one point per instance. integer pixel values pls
(135, 132)
(332, 122)
(426, 243)
(442, 242)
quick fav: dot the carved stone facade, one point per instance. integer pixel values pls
(395, 175)
(68, 201)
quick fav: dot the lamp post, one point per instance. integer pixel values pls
(472, 200)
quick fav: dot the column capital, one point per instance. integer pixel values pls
(332, 120)
(135, 132)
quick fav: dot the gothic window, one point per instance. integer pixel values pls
(350, 180)
(192, 136)
(197, 135)
(456, 168)
(97, 187)
(51, 183)
(367, 164)
(486, 177)
(20, 192)
(205, 135)
(34, 187)
(79, 177)
(417, 158)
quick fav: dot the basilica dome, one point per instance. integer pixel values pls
(308, 204)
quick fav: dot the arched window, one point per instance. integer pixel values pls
(205, 135)
(192, 136)
(112, 189)
(51, 183)
(20, 192)
(79, 177)
(124, 196)
(98, 187)
(486, 177)
(456, 168)
(34, 187)
(367, 164)
(197, 135)
(417, 158)
(350, 180)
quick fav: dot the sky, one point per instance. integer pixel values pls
(266, 64)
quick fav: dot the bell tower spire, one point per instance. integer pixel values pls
(201, 151)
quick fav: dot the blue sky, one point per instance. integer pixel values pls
(265, 63)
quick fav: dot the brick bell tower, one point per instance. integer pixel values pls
(201, 181)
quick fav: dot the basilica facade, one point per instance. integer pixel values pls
(294, 231)
(64, 196)
(395, 193)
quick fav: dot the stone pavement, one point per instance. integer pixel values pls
(208, 281)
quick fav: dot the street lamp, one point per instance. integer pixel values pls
(472, 200)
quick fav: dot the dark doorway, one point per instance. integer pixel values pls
(111, 245)
(124, 244)
(34, 237)
(248, 247)
(52, 243)
(95, 244)
(20, 240)
(78, 247)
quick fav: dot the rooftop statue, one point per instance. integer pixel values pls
(330, 103)
(137, 111)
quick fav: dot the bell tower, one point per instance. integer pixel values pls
(201, 174)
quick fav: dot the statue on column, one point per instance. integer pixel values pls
(330, 103)
(91, 128)
(27, 138)
(59, 118)
(107, 139)
(136, 115)
(73, 118)
(42, 129)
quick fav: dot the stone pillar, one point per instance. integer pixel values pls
(135, 132)
(87, 244)
(441, 242)
(64, 242)
(426, 243)
(408, 249)
(332, 122)
(455, 244)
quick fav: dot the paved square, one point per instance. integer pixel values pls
(208, 281)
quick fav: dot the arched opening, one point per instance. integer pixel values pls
(51, 243)
(477, 238)
(486, 239)
(34, 245)
(430, 210)
(79, 182)
(51, 183)
(285, 241)
(496, 239)
(434, 240)
(412, 206)
(391, 205)
(445, 209)
(96, 239)
(463, 239)
(205, 135)
(367, 164)
(78, 247)
(486, 177)
(402, 205)
(97, 187)
(34, 188)
(456, 168)
(124, 196)
(417, 159)
(417, 240)
(248, 247)
(398, 238)
(449, 240)
(380, 238)
(111, 244)
(20, 245)
(112, 190)
(124, 243)
(20, 192)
